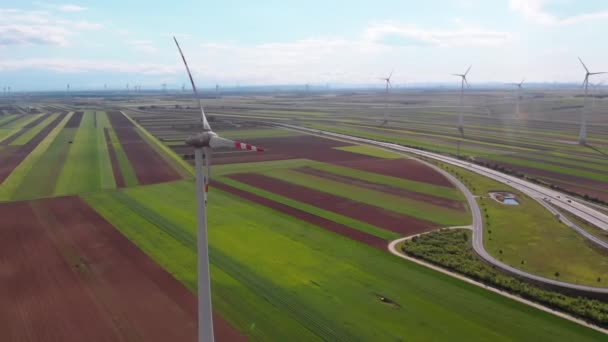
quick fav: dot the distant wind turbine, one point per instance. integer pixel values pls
(203, 143)
(519, 88)
(388, 83)
(463, 81)
(582, 136)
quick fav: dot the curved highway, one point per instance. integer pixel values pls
(539, 193)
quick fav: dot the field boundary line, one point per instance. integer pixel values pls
(167, 151)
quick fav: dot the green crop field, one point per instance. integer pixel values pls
(345, 220)
(529, 237)
(88, 167)
(123, 162)
(9, 188)
(27, 136)
(40, 180)
(256, 133)
(275, 277)
(422, 210)
(370, 151)
(13, 127)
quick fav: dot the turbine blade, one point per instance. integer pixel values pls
(216, 142)
(459, 75)
(469, 69)
(585, 80)
(598, 73)
(206, 126)
(466, 82)
(584, 66)
(522, 82)
(391, 75)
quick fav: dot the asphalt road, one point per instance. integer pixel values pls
(535, 191)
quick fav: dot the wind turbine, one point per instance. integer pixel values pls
(582, 136)
(203, 143)
(388, 83)
(463, 81)
(519, 87)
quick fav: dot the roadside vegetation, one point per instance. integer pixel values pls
(528, 237)
(451, 249)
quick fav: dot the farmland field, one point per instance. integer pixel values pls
(78, 152)
(323, 288)
(298, 234)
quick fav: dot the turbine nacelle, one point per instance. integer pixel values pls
(202, 139)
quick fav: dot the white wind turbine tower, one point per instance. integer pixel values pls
(463, 81)
(582, 136)
(519, 88)
(203, 143)
(387, 80)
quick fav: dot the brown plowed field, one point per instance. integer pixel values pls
(366, 213)
(16, 157)
(443, 202)
(67, 275)
(24, 129)
(74, 121)
(401, 168)
(337, 228)
(149, 166)
(120, 181)
(294, 147)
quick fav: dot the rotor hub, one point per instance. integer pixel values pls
(201, 139)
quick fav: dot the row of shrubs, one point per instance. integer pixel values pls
(451, 249)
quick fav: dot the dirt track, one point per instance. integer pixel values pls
(337, 228)
(120, 181)
(67, 275)
(443, 202)
(16, 157)
(366, 213)
(149, 166)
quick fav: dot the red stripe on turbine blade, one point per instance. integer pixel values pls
(206, 187)
(248, 147)
(260, 149)
(237, 144)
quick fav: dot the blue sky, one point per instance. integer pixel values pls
(44, 45)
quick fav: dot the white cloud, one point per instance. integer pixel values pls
(71, 8)
(534, 11)
(143, 46)
(68, 65)
(459, 37)
(19, 27)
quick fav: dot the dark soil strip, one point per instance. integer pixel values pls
(74, 121)
(95, 119)
(120, 181)
(23, 130)
(337, 228)
(149, 166)
(443, 202)
(10, 163)
(73, 277)
(376, 216)
(401, 168)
